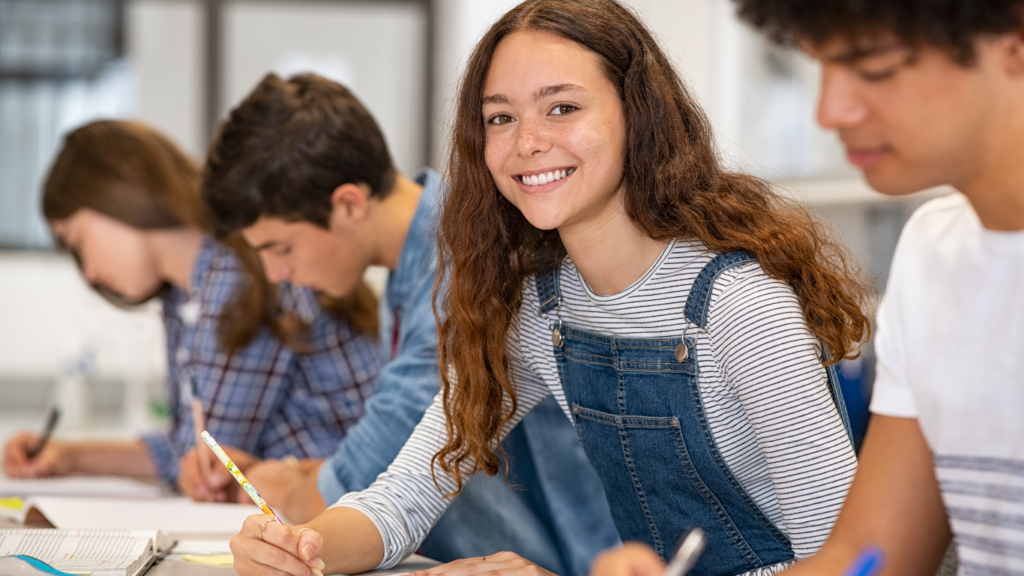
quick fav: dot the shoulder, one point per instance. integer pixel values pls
(217, 264)
(937, 218)
(744, 299)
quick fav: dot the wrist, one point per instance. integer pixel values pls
(64, 457)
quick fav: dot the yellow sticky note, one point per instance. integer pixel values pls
(210, 559)
(12, 503)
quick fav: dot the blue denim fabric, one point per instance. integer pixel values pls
(556, 519)
(639, 416)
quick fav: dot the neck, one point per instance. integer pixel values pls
(997, 195)
(995, 187)
(176, 251)
(392, 219)
(610, 252)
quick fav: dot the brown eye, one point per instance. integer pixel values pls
(500, 119)
(563, 109)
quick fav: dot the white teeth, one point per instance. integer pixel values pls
(541, 179)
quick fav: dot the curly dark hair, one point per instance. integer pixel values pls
(951, 25)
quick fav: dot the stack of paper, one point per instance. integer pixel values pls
(101, 552)
(177, 517)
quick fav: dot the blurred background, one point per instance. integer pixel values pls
(182, 64)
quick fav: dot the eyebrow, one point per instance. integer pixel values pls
(859, 53)
(545, 92)
(265, 245)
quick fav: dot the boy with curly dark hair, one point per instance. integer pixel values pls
(925, 93)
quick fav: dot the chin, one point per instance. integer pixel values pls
(543, 221)
(894, 185)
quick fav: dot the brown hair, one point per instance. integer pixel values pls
(134, 174)
(674, 187)
(284, 150)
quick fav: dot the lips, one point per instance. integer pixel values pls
(864, 157)
(542, 178)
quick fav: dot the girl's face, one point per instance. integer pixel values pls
(555, 131)
(111, 253)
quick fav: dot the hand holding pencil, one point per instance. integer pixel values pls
(283, 537)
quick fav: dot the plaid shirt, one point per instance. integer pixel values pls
(265, 399)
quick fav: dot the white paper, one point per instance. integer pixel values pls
(219, 546)
(117, 551)
(98, 486)
(177, 517)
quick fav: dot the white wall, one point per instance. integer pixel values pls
(374, 49)
(165, 49)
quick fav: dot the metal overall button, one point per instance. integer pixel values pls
(682, 350)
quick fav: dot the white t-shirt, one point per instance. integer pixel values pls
(951, 354)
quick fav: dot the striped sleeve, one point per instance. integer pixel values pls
(766, 353)
(403, 503)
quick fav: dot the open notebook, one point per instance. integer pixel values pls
(94, 486)
(101, 552)
(180, 518)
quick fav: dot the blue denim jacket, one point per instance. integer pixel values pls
(557, 516)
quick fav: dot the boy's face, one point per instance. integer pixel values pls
(307, 255)
(910, 119)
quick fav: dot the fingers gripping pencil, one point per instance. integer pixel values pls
(238, 475)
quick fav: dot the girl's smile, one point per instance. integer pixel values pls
(555, 132)
(543, 181)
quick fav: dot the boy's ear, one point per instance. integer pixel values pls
(350, 204)
(1015, 52)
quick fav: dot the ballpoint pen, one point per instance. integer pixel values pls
(687, 553)
(51, 423)
(199, 423)
(868, 563)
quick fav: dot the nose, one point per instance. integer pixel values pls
(276, 270)
(89, 271)
(838, 105)
(532, 138)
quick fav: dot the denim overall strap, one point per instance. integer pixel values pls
(638, 414)
(697, 313)
(699, 300)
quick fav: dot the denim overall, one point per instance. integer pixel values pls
(638, 412)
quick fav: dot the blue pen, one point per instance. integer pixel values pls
(868, 563)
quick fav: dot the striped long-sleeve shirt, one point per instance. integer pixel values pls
(763, 387)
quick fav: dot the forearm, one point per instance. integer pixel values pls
(894, 503)
(352, 544)
(127, 458)
(305, 501)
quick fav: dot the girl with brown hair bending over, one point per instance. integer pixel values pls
(262, 359)
(684, 317)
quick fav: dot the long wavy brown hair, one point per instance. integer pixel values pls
(132, 173)
(674, 187)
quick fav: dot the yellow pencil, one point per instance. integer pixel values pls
(238, 475)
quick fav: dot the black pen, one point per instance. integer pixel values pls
(51, 423)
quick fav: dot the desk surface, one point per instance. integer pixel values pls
(172, 567)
